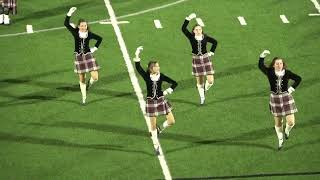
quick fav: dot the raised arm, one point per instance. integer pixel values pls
(185, 25)
(261, 64)
(67, 19)
(137, 63)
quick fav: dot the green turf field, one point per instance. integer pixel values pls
(46, 133)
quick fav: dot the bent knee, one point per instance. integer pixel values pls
(171, 122)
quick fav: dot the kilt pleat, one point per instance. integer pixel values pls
(202, 65)
(282, 104)
(156, 107)
(85, 63)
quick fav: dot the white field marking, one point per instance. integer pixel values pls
(316, 5)
(135, 84)
(314, 14)
(242, 21)
(95, 22)
(200, 22)
(29, 28)
(284, 19)
(108, 22)
(157, 23)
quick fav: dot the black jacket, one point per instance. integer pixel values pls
(154, 87)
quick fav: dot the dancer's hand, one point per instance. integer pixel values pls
(71, 11)
(191, 16)
(167, 91)
(210, 53)
(291, 90)
(264, 53)
(93, 49)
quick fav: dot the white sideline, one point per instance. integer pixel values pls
(95, 22)
(135, 83)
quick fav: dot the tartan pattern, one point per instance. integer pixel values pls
(202, 65)
(156, 107)
(11, 5)
(85, 63)
(282, 104)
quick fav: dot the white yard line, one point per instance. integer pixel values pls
(242, 21)
(96, 22)
(157, 24)
(316, 5)
(314, 14)
(284, 19)
(135, 83)
(109, 22)
(29, 28)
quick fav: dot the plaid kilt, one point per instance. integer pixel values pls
(282, 104)
(156, 107)
(202, 65)
(85, 63)
(11, 5)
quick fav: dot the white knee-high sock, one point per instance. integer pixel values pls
(92, 81)
(1, 18)
(208, 85)
(288, 128)
(279, 132)
(154, 136)
(165, 125)
(83, 90)
(201, 90)
(6, 19)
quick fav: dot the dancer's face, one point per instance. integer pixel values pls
(83, 27)
(156, 68)
(278, 65)
(197, 30)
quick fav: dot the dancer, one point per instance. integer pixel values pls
(281, 103)
(201, 59)
(84, 59)
(156, 103)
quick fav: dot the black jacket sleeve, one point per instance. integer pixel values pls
(141, 71)
(185, 30)
(296, 78)
(262, 67)
(98, 38)
(68, 26)
(173, 83)
(213, 42)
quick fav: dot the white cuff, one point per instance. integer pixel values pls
(210, 53)
(291, 90)
(264, 53)
(136, 59)
(167, 91)
(92, 50)
(188, 19)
